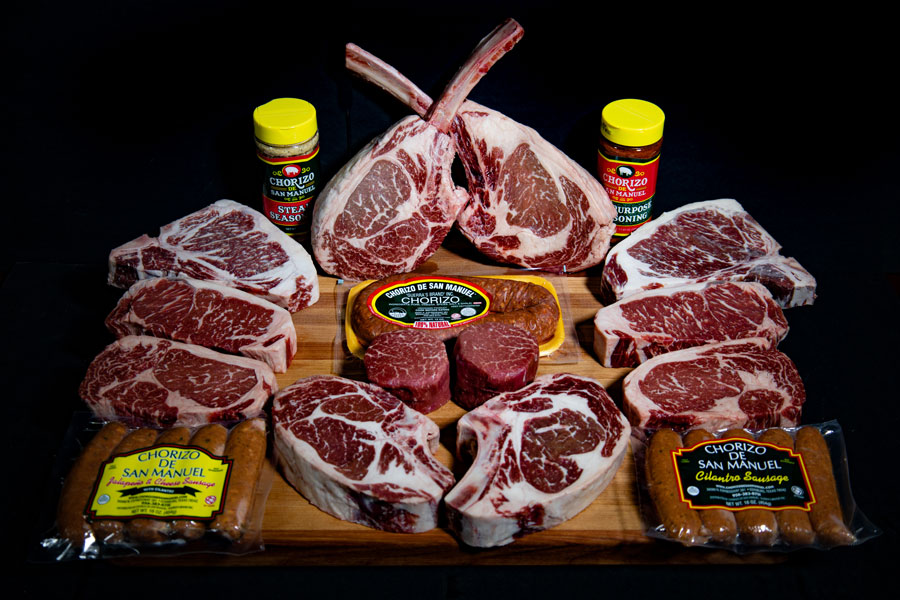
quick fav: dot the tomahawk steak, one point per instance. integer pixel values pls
(531, 204)
(651, 323)
(228, 243)
(391, 206)
(714, 240)
(149, 381)
(207, 314)
(544, 453)
(359, 454)
(734, 384)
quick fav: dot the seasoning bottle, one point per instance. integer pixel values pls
(287, 144)
(628, 160)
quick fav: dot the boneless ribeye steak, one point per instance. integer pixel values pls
(413, 366)
(492, 358)
(360, 454)
(544, 453)
(531, 204)
(227, 243)
(391, 206)
(207, 314)
(714, 240)
(650, 323)
(742, 383)
(154, 382)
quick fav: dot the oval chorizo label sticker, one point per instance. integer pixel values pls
(739, 474)
(430, 302)
(161, 482)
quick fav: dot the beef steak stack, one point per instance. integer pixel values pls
(715, 240)
(360, 454)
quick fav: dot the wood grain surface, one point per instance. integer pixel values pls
(609, 531)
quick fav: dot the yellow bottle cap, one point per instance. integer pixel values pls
(632, 122)
(285, 121)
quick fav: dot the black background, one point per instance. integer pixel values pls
(127, 115)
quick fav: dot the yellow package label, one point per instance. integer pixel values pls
(171, 482)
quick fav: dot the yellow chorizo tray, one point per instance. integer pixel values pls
(547, 348)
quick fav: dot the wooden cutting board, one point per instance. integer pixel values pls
(609, 531)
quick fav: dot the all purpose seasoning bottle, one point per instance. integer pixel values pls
(628, 160)
(287, 143)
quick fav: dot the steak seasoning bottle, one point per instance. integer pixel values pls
(628, 160)
(287, 144)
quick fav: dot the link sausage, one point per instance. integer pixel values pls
(247, 447)
(211, 438)
(147, 530)
(680, 521)
(520, 303)
(826, 515)
(718, 522)
(79, 482)
(793, 524)
(111, 531)
(756, 527)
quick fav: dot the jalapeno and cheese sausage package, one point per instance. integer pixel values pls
(776, 489)
(146, 491)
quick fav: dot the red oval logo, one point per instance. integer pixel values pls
(291, 171)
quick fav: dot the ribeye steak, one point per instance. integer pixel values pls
(153, 382)
(228, 243)
(724, 385)
(391, 206)
(359, 454)
(544, 453)
(207, 314)
(714, 240)
(650, 323)
(531, 204)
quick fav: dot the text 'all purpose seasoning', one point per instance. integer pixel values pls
(628, 160)
(287, 144)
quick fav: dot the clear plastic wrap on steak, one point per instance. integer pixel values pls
(412, 365)
(492, 358)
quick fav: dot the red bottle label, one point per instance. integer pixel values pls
(631, 187)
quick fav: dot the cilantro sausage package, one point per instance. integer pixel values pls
(134, 491)
(776, 489)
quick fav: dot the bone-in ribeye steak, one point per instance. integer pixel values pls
(651, 323)
(359, 454)
(154, 382)
(714, 240)
(544, 453)
(207, 314)
(531, 204)
(741, 383)
(391, 206)
(227, 243)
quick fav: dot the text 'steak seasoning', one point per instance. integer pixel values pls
(287, 143)
(628, 160)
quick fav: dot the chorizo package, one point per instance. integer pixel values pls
(444, 304)
(134, 491)
(777, 489)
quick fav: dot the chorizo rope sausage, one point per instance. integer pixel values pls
(793, 524)
(111, 531)
(211, 438)
(76, 490)
(680, 521)
(246, 446)
(519, 303)
(148, 530)
(825, 514)
(756, 527)
(719, 523)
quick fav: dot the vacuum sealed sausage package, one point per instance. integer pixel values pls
(134, 491)
(776, 489)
